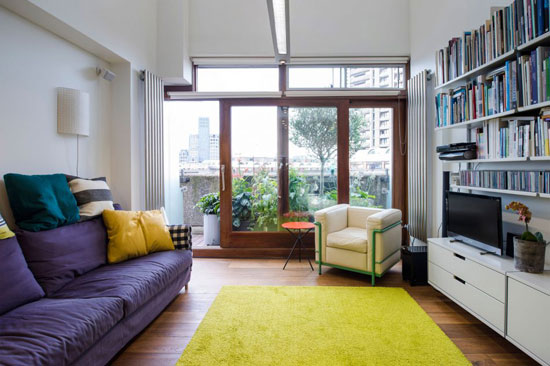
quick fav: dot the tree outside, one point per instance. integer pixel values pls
(315, 129)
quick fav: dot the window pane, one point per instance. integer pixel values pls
(191, 136)
(346, 77)
(237, 79)
(370, 151)
(313, 155)
(254, 168)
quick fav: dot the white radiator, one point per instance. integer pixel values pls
(418, 145)
(154, 141)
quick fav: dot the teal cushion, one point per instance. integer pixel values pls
(41, 202)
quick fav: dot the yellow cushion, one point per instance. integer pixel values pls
(157, 235)
(5, 231)
(126, 238)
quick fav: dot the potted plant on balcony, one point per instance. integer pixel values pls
(529, 249)
(209, 205)
(242, 211)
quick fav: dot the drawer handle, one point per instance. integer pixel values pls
(459, 256)
(460, 280)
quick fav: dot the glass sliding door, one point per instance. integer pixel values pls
(312, 157)
(254, 168)
(191, 161)
(370, 156)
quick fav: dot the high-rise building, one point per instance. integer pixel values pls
(214, 146)
(194, 148)
(204, 139)
(379, 120)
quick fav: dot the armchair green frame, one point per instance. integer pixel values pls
(372, 273)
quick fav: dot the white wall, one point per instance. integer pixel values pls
(229, 28)
(29, 76)
(173, 61)
(127, 29)
(317, 28)
(432, 24)
(349, 28)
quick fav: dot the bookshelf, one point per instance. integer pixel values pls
(500, 160)
(475, 123)
(501, 191)
(534, 42)
(477, 71)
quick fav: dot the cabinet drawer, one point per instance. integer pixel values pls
(529, 318)
(481, 304)
(475, 274)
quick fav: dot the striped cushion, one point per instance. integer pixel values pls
(92, 196)
(5, 231)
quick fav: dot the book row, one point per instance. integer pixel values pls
(521, 82)
(507, 28)
(525, 181)
(513, 138)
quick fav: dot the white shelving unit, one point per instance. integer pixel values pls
(477, 122)
(478, 70)
(501, 191)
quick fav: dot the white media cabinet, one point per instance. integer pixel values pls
(514, 304)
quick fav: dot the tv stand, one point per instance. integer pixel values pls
(514, 304)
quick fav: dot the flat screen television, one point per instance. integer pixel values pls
(475, 220)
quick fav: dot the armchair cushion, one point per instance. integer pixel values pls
(383, 219)
(357, 216)
(351, 238)
(334, 218)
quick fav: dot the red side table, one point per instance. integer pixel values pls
(298, 231)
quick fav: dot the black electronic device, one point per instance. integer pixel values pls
(461, 146)
(475, 220)
(458, 155)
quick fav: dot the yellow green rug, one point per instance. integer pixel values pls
(262, 325)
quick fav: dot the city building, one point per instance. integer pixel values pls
(204, 139)
(214, 147)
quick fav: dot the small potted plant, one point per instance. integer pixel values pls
(529, 249)
(209, 205)
(242, 211)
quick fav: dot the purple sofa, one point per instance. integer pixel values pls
(84, 310)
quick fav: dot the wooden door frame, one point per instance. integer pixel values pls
(249, 239)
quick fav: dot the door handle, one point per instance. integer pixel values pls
(222, 168)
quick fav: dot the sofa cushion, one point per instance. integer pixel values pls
(5, 231)
(41, 202)
(92, 196)
(351, 238)
(17, 284)
(126, 238)
(134, 281)
(59, 255)
(55, 332)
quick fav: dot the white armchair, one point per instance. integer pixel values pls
(358, 239)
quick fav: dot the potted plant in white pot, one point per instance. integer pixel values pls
(209, 205)
(529, 249)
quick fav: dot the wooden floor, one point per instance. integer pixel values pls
(165, 339)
